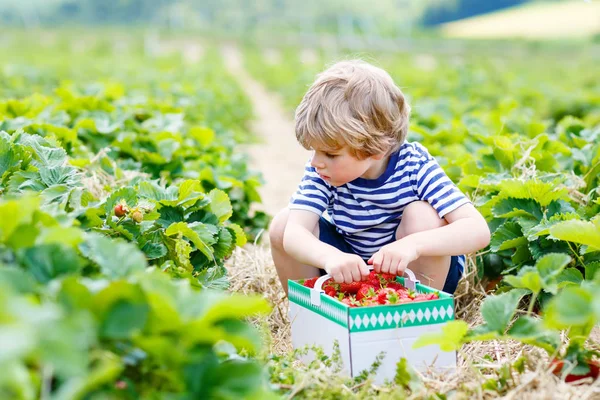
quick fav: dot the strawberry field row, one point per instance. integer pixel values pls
(121, 195)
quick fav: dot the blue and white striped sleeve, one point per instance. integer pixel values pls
(313, 193)
(431, 184)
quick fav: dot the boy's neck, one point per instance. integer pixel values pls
(377, 168)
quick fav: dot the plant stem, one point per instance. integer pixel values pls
(532, 304)
(576, 255)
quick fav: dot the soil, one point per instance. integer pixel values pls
(278, 156)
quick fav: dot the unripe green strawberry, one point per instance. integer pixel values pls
(137, 216)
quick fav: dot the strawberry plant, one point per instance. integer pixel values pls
(572, 308)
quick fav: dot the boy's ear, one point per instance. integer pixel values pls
(378, 157)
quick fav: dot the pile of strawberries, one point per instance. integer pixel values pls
(377, 289)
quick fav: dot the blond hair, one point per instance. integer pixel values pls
(356, 104)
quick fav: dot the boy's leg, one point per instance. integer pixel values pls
(287, 267)
(420, 216)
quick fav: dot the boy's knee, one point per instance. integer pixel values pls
(277, 228)
(419, 216)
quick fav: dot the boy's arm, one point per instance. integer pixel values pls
(466, 232)
(300, 243)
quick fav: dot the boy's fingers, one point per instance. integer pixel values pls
(348, 277)
(364, 270)
(337, 277)
(356, 275)
(385, 265)
(377, 259)
(394, 265)
(401, 267)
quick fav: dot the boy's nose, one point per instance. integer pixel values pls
(316, 163)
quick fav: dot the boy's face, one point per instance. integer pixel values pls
(338, 167)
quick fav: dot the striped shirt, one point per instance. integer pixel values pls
(366, 212)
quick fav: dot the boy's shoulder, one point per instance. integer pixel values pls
(411, 153)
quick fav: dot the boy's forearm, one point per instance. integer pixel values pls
(303, 246)
(463, 236)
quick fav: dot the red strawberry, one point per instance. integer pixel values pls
(329, 291)
(397, 286)
(388, 277)
(365, 291)
(310, 282)
(350, 302)
(121, 210)
(388, 296)
(369, 302)
(350, 288)
(426, 296)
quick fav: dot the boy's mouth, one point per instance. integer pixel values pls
(325, 177)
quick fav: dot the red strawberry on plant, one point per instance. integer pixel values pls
(121, 209)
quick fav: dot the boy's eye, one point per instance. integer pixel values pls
(329, 155)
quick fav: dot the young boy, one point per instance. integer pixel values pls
(367, 196)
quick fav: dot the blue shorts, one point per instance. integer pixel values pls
(328, 234)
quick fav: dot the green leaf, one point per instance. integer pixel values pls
(203, 135)
(153, 191)
(507, 236)
(569, 276)
(220, 205)
(498, 310)
(235, 379)
(214, 278)
(531, 331)
(551, 265)
(197, 233)
(124, 319)
(190, 191)
(115, 257)
(69, 236)
(449, 339)
(511, 207)
(224, 245)
(591, 271)
(16, 279)
(543, 192)
(16, 212)
(170, 215)
(528, 278)
(46, 262)
(581, 232)
(240, 236)
(571, 307)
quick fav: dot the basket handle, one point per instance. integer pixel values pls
(315, 293)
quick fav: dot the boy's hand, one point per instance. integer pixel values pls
(346, 268)
(393, 258)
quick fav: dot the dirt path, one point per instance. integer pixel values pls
(278, 157)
